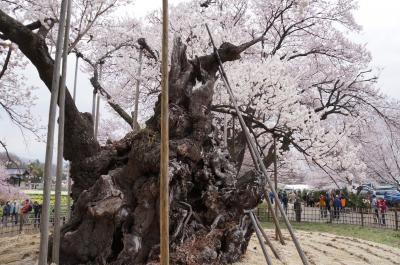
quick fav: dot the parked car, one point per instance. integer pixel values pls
(365, 191)
(392, 197)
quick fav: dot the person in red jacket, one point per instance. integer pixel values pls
(382, 208)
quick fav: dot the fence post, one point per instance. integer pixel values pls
(396, 220)
(362, 217)
(21, 222)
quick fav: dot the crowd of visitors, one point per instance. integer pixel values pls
(14, 213)
(331, 204)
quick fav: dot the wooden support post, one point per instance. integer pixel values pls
(396, 220)
(269, 243)
(164, 160)
(362, 217)
(259, 237)
(60, 146)
(44, 235)
(257, 160)
(276, 187)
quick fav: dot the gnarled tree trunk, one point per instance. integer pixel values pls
(116, 191)
(116, 187)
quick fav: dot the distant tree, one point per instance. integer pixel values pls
(7, 191)
(36, 170)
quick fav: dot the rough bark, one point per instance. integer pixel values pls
(116, 220)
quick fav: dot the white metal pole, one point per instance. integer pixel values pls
(60, 148)
(76, 76)
(96, 123)
(94, 108)
(96, 127)
(44, 225)
(225, 131)
(135, 124)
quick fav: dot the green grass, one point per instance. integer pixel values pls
(383, 236)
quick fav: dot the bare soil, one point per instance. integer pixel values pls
(320, 248)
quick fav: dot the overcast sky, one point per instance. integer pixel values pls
(381, 33)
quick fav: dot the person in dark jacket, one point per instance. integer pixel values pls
(37, 210)
(336, 207)
(297, 209)
(6, 213)
(285, 201)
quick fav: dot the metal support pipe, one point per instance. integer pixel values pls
(225, 130)
(69, 196)
(94, 108)
(164, 159)
(252, 146)
(260, 240)
(76, 76)
(135, 124)
(276, 186)
(96, 126)
(274, 217)
(44, 225)
(97, 115)
(60, 146)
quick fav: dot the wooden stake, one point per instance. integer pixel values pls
(164, 178)
(44, 225)
(60, 146)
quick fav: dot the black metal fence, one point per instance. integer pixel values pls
(16, 224)
(353, 216)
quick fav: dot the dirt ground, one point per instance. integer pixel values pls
(324, 249)
(320, 248)
(19, 250)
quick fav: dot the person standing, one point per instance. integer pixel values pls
(297, 209)
(6, 213)
(382, 208)
(285, 201)
(15, 211)
(271, 197)
(322, 206)
(336, 207)
(374, 205)
(37, 210)
(343, 203)
(26, 208)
